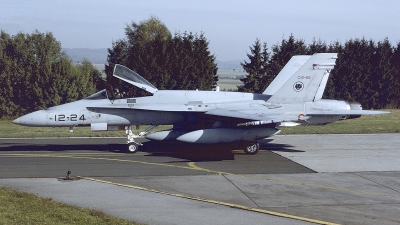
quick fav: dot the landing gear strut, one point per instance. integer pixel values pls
(133, 145)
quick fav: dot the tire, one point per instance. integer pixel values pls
(252, 148)
(132, 148)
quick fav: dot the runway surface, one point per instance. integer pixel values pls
(325, 179)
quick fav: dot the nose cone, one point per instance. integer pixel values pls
(16, 121)
(36, 119)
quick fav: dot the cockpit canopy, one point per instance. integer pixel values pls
(133, 78)
(126, 75)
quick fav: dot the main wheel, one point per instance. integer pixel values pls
(252, 148)
(132, 147)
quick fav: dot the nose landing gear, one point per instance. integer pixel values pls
(133, 145)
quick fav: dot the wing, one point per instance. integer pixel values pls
(254, 114)
(248, 114)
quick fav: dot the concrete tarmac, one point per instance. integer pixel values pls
(343, 179)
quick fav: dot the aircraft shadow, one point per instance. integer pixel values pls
(265, 144)
(184, 151)
(189, 152)
(61, 147)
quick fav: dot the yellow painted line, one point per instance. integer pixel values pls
(237, 151)
(215, 202)
(76, 153)
(192, 165)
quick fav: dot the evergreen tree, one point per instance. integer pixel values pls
(258, 76)
(383, 75)
(394, 96)
(352, 72)
(318, 47)
(365, 71)
(331, 88)
(281, 54)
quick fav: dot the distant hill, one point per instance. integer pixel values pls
(94, 55)
(230, 65)
(99, 56)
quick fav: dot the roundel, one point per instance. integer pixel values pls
(298, 86)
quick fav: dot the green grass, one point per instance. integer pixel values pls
(228, 84)
(22, 208)
(388, 123)
(230, 73)
(10, 130)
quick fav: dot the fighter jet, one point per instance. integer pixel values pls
(210, 117)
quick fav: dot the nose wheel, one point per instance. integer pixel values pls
(133, 147)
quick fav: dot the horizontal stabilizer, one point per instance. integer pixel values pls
(346, 112)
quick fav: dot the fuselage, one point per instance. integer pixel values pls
(164, 107)
(168, 107)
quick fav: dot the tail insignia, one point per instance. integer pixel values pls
(298, 86)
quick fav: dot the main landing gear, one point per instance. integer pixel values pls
(133, 145)
(252, 148)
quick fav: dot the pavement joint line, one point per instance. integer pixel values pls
(370, 180)
(236, 206)
(192, 166)
(241, 191)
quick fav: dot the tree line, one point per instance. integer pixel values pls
(366, 71)
(36, 74)
(173, 62)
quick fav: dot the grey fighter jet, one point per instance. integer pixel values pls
(210, 117)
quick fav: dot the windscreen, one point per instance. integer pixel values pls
(98, 95)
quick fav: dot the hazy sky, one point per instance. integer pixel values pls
(230, 26)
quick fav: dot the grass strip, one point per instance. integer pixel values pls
(385, 123)
(23, 208)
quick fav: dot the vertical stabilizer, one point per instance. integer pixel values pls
(304, 84)
(290, 68)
